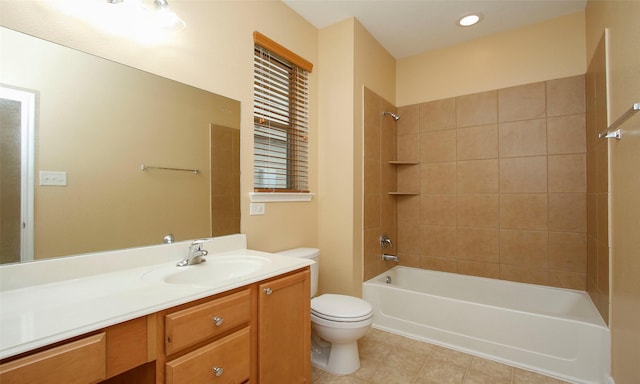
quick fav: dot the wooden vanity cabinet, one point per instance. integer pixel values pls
(89, 359)
(256, 334)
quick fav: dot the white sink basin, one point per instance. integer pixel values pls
(216, 270)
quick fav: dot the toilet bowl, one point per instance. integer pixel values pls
(337, 322)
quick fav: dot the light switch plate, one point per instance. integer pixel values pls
(53, 178)
(256, 209)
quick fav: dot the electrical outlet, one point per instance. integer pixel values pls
(53, 178)
(256, 209)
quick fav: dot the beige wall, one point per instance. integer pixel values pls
(214, 52)
(623, 90)
(543, 51)
(336, 173)
(350, 59)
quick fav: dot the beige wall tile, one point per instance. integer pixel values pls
(408, 178)
(566, 134)
(524, 274)
(438, 209)
(372, 260)
(438, 115)
(592, 259)
(438, 146)
(371, 210)
(566, 96)
(602, 219)
(372, 175)
(569, 280)
(439, 241)
(479, 142)
(409, 239)
(523, 174)
(568, 251)
(523, 138)
(567, 173)
(603, 268)
(438, 264)
(523, 211)
(522, 102)
(408, 210)
(477, 109)
(475, 268)
(524, 248)
(478, 210)
(477, 176)
(602, 167)
(478, 244)
(438, 177)
(409, 231)
(409, 122)
(408, 147)
(568, 212)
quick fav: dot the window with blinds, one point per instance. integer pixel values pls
(280, 115)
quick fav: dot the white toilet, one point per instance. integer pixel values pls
(337, 322)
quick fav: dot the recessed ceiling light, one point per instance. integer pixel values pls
(469, 20)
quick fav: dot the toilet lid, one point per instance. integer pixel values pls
(341, 308)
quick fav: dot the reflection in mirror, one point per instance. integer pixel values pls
(96, 123)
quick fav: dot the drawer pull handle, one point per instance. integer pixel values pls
(218, 371)
(218, 322)
(268, 291)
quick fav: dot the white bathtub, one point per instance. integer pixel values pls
(557, 332)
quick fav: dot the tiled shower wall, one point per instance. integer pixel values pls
(498, 188)
(597, 184)
(379, 178)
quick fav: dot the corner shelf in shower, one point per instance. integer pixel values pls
(401, 162)
(398, 162)
(404, 193)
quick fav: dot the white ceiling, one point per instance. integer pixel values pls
(409, 27)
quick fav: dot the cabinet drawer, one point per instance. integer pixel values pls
(82, 361)
(193, 325)
(226, 361)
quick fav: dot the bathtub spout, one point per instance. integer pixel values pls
(386, 257)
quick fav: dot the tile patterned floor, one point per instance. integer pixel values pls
(386, 358)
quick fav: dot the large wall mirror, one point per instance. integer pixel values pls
(73, 181)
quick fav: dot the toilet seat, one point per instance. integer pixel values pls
(341, 308)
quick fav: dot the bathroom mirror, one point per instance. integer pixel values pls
(96, 124)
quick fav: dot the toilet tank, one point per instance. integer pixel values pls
(307, 253)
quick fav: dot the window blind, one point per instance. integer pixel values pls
(280, 115)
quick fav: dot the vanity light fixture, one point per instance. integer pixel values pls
(469, 20)
(166, 17)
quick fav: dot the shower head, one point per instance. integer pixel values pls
(393, 115)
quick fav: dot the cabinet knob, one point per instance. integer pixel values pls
(268, 291)
(218, 371)
(218, 322)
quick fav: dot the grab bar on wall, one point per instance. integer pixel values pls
(611, 132)
(143, 167)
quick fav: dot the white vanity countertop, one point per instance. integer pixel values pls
(37, 315)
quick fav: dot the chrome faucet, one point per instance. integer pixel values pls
(386, 257)
(196, 254)
(385, 241)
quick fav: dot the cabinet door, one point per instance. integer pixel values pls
(284, 330)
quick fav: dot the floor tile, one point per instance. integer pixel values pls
(387, 358)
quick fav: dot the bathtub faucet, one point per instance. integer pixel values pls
(386, 257)
(385, 241)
